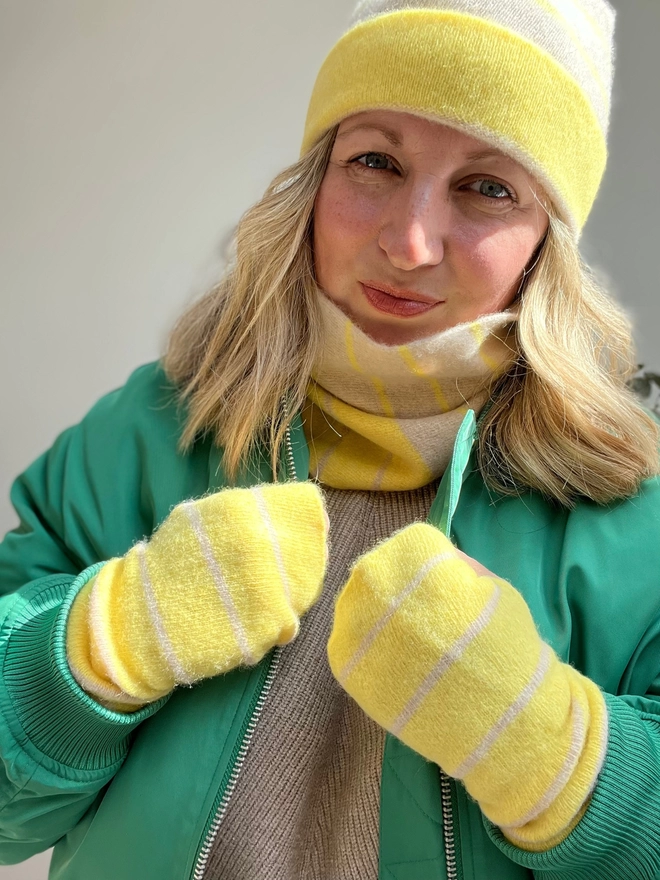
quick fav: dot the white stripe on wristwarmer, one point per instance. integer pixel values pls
(99, 625)
(221, 585)
(166, 646)
(390, 611)
(578, 742)
(447, 660)
(105, 692)
(101, 690)
(257, 491)
(508, 715)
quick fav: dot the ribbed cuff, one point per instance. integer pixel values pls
(52, 719)
(618, 838)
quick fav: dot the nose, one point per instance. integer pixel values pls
(415, 224)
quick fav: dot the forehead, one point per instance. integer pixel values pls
(407, 130)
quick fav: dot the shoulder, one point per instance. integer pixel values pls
(626, 524)
(591, 574)
(605, 587)
(620, 543)
(112, 478)
(147, 399)
(117, 443)
(610, 578)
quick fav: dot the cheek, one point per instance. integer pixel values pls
(494, 264)
(344, 222)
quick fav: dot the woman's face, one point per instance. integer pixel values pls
(418, 227)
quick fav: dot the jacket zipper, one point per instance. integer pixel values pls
(212, 833)
(223, 804)
(445, 783)
(449, 835)
(448, 827)
(288, 443)
(453, 869)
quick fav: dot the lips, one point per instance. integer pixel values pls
(402, 303)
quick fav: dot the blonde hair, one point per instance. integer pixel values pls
(561, 420)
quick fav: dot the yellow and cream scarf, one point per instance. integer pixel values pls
(384, 418)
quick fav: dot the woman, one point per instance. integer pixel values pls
(408, 325)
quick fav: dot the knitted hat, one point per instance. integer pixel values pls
(530, 77)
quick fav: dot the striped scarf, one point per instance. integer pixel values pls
(384, 418)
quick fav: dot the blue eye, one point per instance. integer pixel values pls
(491, 189)
(373, 161)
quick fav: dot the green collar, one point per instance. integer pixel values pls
(442, 509)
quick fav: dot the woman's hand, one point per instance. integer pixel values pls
(476, 567)
(222, 581)
(446, 656)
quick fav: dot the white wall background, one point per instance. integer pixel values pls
(134, 133)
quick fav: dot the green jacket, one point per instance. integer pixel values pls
(133, 797)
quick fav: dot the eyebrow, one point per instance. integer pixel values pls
(396, 141)
(388, 133)
(486, 154)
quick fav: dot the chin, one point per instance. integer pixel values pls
(400, 333)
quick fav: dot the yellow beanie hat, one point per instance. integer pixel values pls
(531, 77)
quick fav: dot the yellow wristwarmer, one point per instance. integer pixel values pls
(451, 663)
(222, 581)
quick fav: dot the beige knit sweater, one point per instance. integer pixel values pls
(307, 802)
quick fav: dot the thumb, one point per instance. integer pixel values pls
(296, 513)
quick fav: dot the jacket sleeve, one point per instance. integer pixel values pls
(58, 747)
(618, 837)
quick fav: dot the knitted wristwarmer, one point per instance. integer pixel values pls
(451, 663)
(222, 581)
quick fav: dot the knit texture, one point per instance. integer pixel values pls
(306, 804)
(222, 581)
(531, 77)
(385, 417)
(451, 663)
